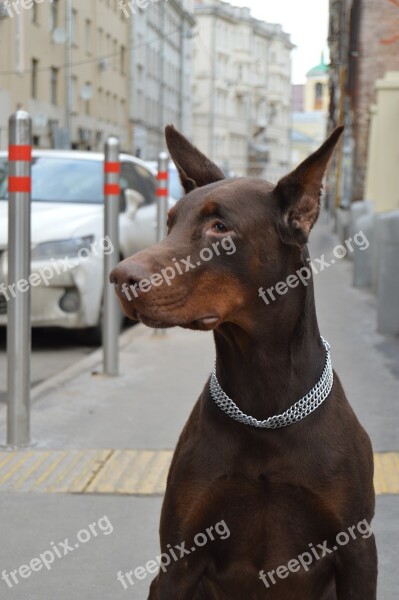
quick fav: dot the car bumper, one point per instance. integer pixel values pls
(60, 297)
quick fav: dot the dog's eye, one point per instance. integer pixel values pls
(220, 227)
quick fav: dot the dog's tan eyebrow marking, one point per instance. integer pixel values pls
(211, 209)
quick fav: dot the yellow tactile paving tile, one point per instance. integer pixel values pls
(141, 472)
(50, 470)
(386, 473)
(130, 472)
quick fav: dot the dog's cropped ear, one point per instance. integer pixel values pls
(298, 194)
(195, 169)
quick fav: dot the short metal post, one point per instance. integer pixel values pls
(19, 303)
(162, 194)
(162, 200)
(112, 311)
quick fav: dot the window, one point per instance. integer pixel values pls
(100, 42)
(34, 13)
(115, 55)
(34, 74)
(86, 97)
(54, 14)
(136, 177)
(319, 91)
(74, 27)
(115, 109)
(107, 106)
(88, 36)
(99, 140)
(54, 86)
(122, 110)
(62, 180)
(123, 58)
(74, 93)
(100, 103)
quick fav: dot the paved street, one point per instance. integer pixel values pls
(53, 351)
(102, 446)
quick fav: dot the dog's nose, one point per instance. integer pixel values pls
(128, 274)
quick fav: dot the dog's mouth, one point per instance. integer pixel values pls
(173, 309)
(205, 323)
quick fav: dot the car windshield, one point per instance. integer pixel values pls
(61, 180)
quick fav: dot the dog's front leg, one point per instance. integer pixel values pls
(180, 580)
(356, 570)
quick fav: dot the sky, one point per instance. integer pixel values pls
(305, 20)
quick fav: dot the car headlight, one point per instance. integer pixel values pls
(62, 248)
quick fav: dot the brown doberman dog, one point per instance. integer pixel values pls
(297, 498)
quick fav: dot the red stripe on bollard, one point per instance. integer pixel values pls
(162, 192)
(112, 167)
(23, 153)
(162, 176)
(112, 189)
(19, 184)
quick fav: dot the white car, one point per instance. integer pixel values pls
(68, 242)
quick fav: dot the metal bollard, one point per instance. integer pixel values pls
(162, 205)
(162, 194)
(19, 305)
(111, 321)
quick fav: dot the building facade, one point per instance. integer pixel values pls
(160, 74)
(309, 124)
(364, 45)
(316, 96)
(242, 90)
(66, 63)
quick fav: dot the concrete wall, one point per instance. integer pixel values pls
(388, 274)
(382, 181)
(378, 53)
(364, 37)
(376, 267)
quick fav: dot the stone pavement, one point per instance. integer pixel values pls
(103, 446)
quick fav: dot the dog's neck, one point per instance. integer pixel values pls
(265, 369)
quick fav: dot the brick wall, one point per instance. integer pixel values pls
(378, 53)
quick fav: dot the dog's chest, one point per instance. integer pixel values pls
(268, 526)
(263, 501)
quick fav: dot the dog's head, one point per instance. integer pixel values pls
(227, 238)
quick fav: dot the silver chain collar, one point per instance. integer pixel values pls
(295, 413)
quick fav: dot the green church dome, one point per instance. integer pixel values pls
(321, 69)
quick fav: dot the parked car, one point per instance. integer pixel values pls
(68, 222)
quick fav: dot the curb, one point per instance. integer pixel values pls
(88, 363)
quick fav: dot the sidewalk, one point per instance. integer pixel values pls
(103, 447)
